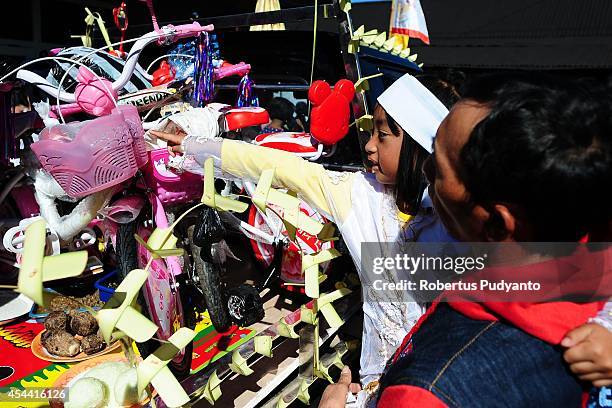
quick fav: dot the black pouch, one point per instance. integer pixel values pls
(208, 229)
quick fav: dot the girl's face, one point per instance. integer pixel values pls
(383, 148)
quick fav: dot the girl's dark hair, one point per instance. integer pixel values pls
(21, 96)
(546, 147)
(411, 182)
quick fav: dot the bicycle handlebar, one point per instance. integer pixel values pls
(166, 35)
(44, 85)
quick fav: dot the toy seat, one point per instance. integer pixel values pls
(171, 188)
(238, 118)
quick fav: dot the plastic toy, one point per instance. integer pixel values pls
(298, 143)
(163, 74)
(121, 22)
(328, 125)
(226, 69)
(243, 117)
(330, 113)
(93, 96)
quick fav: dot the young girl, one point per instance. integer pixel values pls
(366, 207)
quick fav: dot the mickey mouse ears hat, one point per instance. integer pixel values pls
(414, 108)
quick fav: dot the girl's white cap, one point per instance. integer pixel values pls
(414, 108)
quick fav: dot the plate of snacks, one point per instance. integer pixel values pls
(70, 337)
(107, 381)
(66, 303)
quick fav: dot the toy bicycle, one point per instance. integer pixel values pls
(104, 160)
(105, 163)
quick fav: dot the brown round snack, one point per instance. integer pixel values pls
(83, 323)
(92, 344)
(61, 343)
(63, 303)
(56, 321)
(45, 335)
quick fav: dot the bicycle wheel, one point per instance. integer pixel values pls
(209, 281)
(127, 254)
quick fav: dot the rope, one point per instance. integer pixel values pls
(314, 45)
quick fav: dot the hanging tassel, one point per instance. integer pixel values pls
(182, 65)
(204, 85)
(8, 148)
(246, 93)
(121, 22)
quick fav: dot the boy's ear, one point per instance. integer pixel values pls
(501, 224)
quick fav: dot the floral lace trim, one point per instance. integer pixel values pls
(389, 215)
(200, 139)
(337, 177)
(178, 162)
(394, 321)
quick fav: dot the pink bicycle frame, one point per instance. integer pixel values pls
(160, 290)
(25, 201)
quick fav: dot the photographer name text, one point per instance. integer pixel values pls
(482, 285)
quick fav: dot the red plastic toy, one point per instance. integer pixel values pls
(163, 74)
(244, 117)
(121, 21)
(329, 118)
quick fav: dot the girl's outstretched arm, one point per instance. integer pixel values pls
(327, 191)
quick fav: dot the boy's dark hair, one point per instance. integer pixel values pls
(446, 85)
(282, 109)
(545, 147)
(301, 111)
(411, 182)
